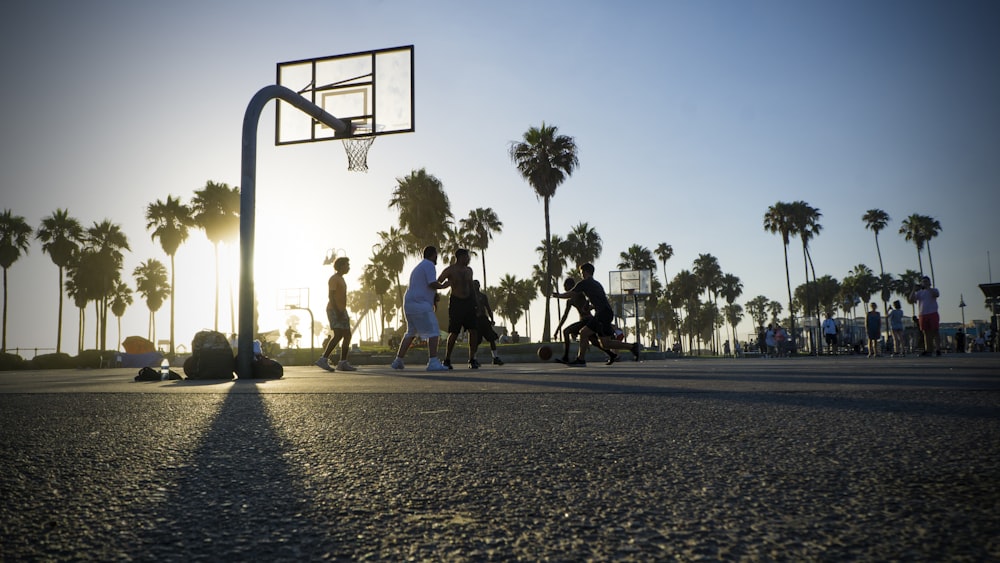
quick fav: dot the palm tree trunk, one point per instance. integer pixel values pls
(546, 337)
(483, 251)
(173, 289)
(885, 304)
(930, 259)
(920, 261)
(791, 308)
(216, 326)
(3, 345)
(60, 322)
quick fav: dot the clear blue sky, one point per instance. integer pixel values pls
(691, 119)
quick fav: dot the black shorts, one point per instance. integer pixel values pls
(485, 328)
(600, 323)
(831, 339)
(461, 314)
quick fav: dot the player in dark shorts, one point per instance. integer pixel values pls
(579, 302)
(600, 324)
(485, 322)
(462, 306)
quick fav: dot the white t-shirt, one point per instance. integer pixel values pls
(926, 301)
(419, 297)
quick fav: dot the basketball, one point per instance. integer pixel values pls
(544, 353)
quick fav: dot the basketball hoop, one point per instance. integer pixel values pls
(356, 146)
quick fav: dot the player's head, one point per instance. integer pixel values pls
(431, 253)
(569, 283)
(462, 256)
(587, 269)
(342, 265)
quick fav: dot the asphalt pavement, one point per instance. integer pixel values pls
(828, 458)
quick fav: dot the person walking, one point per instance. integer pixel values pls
(336, 313)
(830, 334)
(462, 305)
(873, 325)
(485, 323)
(927, 314)
(418, 309)
(895, 315)
(600, 324)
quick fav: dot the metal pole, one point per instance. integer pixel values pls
(248, 174)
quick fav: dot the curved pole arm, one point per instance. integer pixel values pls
(248, 173)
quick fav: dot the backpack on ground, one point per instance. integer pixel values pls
(211, 357)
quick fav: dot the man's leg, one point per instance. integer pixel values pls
(473, 344)
(345, 344)
(432, 346)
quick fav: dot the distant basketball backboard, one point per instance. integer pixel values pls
(371, 89)
(630, 282)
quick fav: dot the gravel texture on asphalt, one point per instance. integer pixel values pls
(470, 477)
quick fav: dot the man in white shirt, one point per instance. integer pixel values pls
(418, 308)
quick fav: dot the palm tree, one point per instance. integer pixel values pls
(583, 245)
(907, 281)
(709, 273)
(730, 288)
(481, 224)
(121, 298)
(454, 239)
(930, 228)
(216, 210)
(545, 159)
(876, 220)
(778, 219)
(637, 257)
(391, 254)
(151, 283)
(757, 307)
(685, 289)
(170, 221)
(424, 209)
(61, 236)
(14, 233)
(512, 298)
(102, 259)
(733, 313)
(912, 231)
(805, 220)
(664, 252)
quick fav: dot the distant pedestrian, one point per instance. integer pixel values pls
(927, 310)
(896, 326)
(418, 309)
(781, 341)
(771, 342)
(830, 333)
(873, 324)
(336, 313)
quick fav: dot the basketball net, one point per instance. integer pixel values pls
(357, 152)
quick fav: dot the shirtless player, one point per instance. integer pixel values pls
(462, 306)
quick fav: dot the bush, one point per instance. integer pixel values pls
(92, 358)
(10, 362)
(52, 361)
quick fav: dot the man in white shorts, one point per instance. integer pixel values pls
(418, 308)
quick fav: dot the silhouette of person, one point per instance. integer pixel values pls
(927, 314)
(462, 305)
(336, 313)
(873, 325)
(600, 324)
(578, 301)
(485, 322)
(896, 326)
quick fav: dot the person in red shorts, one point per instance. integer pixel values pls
(927, 308)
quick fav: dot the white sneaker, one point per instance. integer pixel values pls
(398, 363)
(344, 365)
(435, 364)
(323, 363)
